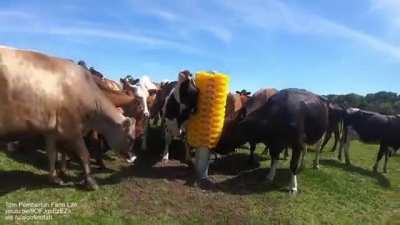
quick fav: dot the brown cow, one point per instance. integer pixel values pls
(53, 97)
(242, 107)
(128, 104)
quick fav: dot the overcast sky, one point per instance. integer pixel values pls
(326, 46)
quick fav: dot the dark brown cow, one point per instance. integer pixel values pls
(291, 117)
(336, 114)
(244, 95)
(53, 97)
(372, 128)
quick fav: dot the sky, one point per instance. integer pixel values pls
(326, 47)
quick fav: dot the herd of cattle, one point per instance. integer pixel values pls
(74, 110)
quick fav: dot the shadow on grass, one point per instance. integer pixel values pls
(381, 179)
(254, 181)
(35, 158)
(15, 180)
(234, 164)
(247, 179)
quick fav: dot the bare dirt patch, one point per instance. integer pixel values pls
(169, 194)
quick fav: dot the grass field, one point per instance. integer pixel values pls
(151, 193)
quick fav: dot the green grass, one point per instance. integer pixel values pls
(335, 194)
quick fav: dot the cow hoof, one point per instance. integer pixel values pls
(375, 169)
(189, 163)
(253, 162)
(165, 159)
(206, 184)
(268, 180)
(89, 183)
(384, 171)
(293, 191)
(316, 166)
(63, 174)
(131, 160)
(56, 181)
(102, 168)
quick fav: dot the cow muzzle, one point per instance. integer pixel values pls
(146, 115)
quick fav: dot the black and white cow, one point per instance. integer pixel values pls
(371, 127)
(291, 117)
(178, 106)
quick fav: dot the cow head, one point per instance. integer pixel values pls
(83, 64)
(122, 136)
(231, 137)
(143, 94)
(243, 92)
(186, 91)
(131, 80)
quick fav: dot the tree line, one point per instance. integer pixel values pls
(382, 102)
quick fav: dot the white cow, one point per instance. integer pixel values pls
(143, 89)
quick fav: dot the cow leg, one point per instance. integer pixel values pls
(100, 153)
(252, 149)
(346, 152)
(286, 153)
(12, 146)
(386, 161)
(294, 167)
(98, 149)
(168, 140)
(337, 138)
(145, 132)
(63, 168)
(83, 154)
(274, 152)
(381, 152)
(156, 118)
(343, 143)
(318, 151)
(265, 152)
(52, 155)
(99, 159)
(188, 158)
(327, 137)
(303, 155)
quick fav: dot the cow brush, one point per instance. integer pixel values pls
(205, 126)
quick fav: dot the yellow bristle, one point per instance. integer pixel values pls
(205, 127)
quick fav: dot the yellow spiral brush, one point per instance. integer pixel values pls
(205, 127)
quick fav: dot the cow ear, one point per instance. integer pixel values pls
(238, 92)
(184, 75)
(248, 93)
